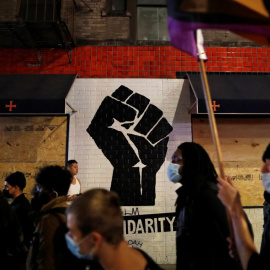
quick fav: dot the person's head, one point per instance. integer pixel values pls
(195, 165)
(266, 154)
(72, 166)
(93, 218)
(52, 181)
(14, 185)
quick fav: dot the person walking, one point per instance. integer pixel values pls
(202, 225)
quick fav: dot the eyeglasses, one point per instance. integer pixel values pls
(176, 159)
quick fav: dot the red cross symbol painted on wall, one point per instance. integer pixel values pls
(215, 106)
(10, 106)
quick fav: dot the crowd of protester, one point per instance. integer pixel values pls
(63, 229)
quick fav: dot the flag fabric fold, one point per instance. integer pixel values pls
(248, 18)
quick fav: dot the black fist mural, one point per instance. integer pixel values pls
(133, 136)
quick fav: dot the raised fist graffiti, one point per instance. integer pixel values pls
(133, 136)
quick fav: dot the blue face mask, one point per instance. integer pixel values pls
(173, 173)
(266, 181)
(75, 248)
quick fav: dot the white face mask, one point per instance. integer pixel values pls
(266, 181)
(173, 172)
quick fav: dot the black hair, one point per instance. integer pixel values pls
(16, 179)
(198, 168)
(266, 154)
(70, 162)
(54, 177)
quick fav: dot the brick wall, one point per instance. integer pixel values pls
(131, 61)
(117, 28)
(8, 9)
(95, 169)
(172, 97)
(89, 22)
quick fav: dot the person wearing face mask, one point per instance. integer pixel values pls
(49, 250)
(246, 249)
(202, 225)
(265, 244)
(95, 223)
(14, 186)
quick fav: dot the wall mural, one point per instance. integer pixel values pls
(153, 223)
(133, 135)
(135, 225)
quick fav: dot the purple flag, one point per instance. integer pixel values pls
(249, 18)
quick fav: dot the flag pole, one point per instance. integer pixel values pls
(214, 132)
(208, 101)
(212, 120)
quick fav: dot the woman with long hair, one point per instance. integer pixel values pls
(202, 225)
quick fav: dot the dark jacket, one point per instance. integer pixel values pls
(258, 262)
(265, 245)
(12, 250)
(49, 250)
(151, 264)
(22, 208)
(42, 254)
(202, 232)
